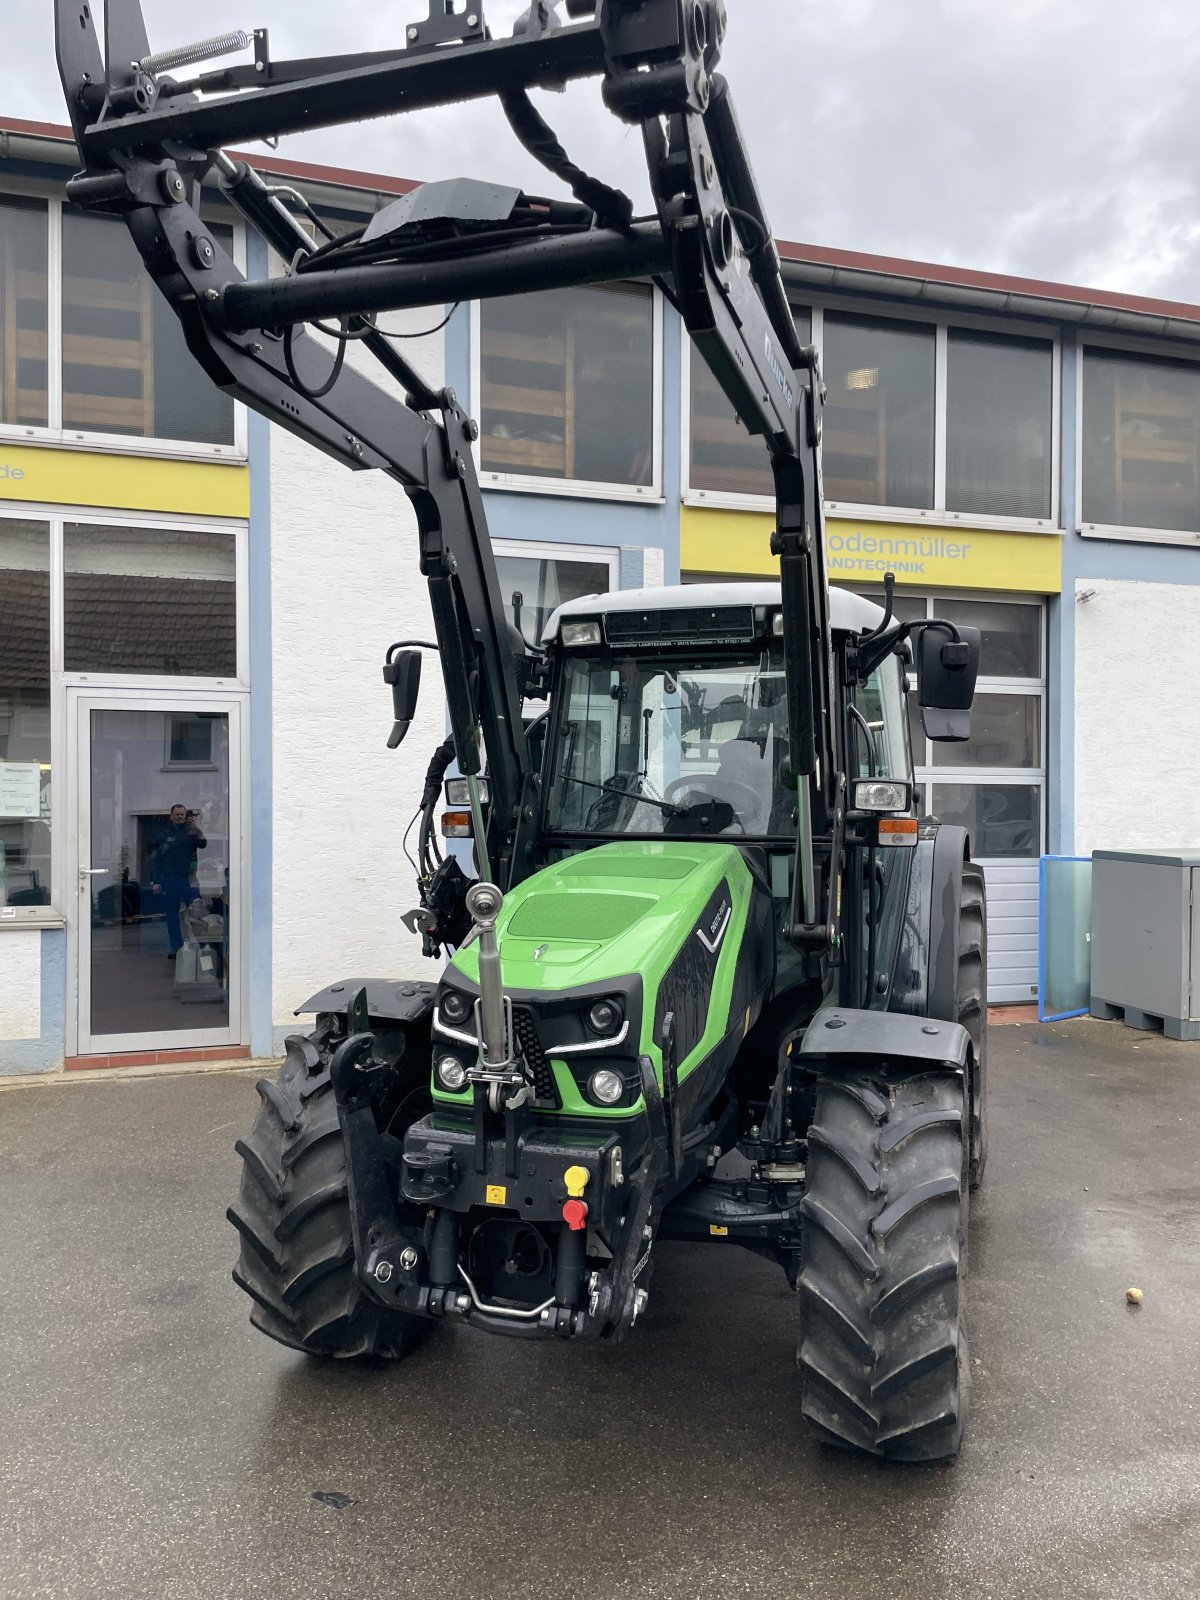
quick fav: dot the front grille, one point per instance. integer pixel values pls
(530, 1047)
(716, 624)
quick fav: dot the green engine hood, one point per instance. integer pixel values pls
(620, 908)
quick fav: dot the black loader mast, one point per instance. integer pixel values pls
(148, 135)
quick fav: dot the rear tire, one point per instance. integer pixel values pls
(883, 1352)
(972, 1006)
(293, 1214)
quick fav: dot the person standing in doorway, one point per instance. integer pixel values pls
(174, 866)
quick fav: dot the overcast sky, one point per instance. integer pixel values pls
(1052, 138)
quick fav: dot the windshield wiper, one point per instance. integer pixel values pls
(612, 787)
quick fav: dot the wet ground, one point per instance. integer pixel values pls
(152, 1445)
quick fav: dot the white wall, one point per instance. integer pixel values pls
(20, 984)
(345, 584)
(1137, 715)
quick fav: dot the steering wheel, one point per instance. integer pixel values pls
(746, 802)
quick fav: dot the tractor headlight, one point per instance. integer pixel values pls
(882, 794)
(451, 1073)
(456, 1007)
(606, 1086)
(604, 1016)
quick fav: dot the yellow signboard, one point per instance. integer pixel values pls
(738, 544)
(123, 483)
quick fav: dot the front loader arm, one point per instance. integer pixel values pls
(147, 140)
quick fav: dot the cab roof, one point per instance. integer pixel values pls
(848, 613)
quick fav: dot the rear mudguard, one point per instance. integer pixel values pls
(925, 976)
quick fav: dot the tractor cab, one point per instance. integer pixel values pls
(669, 720)
(670, 714)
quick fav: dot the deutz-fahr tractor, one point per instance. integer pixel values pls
(709, 975)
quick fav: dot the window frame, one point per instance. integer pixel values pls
(54, 434)
(941, 323)
(1123, 344)
(927, 776)
(48, 916)
(56, 517)
(550, 550)
(579, 488)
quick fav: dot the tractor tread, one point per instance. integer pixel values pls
(331, 1128)
(883, 1350)
(853, 1248)
(258, 1162)
(297, 1214)
(904, 1205)
(274, 1094)
(292, 1215)
(832, 1305)
(853, 1160)
(892, 1137)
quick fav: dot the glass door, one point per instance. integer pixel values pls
(159, 871)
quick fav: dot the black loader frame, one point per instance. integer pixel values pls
(147, 139)
(887, 1084)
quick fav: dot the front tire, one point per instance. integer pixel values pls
(883, 1353)
(293, 1215)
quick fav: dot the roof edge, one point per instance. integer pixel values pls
(842, 265)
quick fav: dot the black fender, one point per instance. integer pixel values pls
(925, 976)
(839, 1032)
(387, 999)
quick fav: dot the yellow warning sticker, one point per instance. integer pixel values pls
(496, 1194)
(717, 1233)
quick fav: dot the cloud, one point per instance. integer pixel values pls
(1050, 138)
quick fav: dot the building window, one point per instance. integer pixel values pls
(999, 419)
(149, 600)
(1141, 442)
(545, 580)
(189, 742)
(567, 382)
(24, 716)
(992, 783)
(125, 366)
(879, 412)
(725, 458)
(24, 312)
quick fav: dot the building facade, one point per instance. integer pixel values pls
(194, 606)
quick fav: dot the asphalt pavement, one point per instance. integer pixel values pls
(152, 1445)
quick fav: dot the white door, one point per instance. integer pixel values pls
(158, 881)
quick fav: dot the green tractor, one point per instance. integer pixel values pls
(710, 976)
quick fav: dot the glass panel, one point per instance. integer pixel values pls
(1066, 936)
(545, 583)
(724, 457)
(160, 876)
(878, 446)
(1011, 643)
(1005, 732)
(998, 436)
(1003, 819)
(126, 368)
(149, 600)
(881, 746)
(24, 713)
(905, 607)
(649, 745)
(568, 384)
(1141, 441)
(24, 277)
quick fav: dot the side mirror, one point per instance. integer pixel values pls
(403, 672)
(946, 672)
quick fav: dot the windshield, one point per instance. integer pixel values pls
(647, 744)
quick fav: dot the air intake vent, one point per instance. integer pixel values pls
(715, 624)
